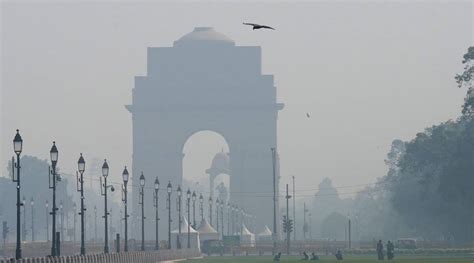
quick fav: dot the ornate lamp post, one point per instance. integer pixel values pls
(32, 203)
(210, 210)
(125, 177)
(188, 209)
(169, 189)
(179, 217)
(222, 218)
(194, 209)
(157, 218)
(201, 206)
(142, 203)
(17, 148)
(81, 167)
(217, 214)
(228, 218)
(52, 185)
(103, 191)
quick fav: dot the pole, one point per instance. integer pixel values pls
(83, 210)
(54, 247)
(32, 222)
(288, 232)
(143, 217)
(294, 210)
(157, 219)
(178, 240)
(18, 205)
(349, 233)
(189, 223)
(126, 221)
(274, 234)
(194, 213)
(305, 227)
(169, 220)
(106, 212)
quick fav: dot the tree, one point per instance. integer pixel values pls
(465, 79)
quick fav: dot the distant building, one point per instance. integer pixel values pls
(206, 82)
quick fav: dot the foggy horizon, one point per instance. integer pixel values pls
(68, 70)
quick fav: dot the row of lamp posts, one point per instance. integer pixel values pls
(54, 178)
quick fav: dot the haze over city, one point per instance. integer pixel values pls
(356, 83)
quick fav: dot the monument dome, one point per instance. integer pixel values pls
(204, 35)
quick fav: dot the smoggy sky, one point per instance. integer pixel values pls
(366, 72)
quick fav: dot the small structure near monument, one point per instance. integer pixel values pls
(247, 238)
(194, 236)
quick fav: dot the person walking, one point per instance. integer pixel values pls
(380, 254)
(390, 250)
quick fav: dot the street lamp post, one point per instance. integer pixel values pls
(169, 189)
(228, 218)
(47, 220)
(142, 203)
(32, 203)
(222, 219)
(194, 209)
(210, 210)
(54, 154)
(17, 148)
(188, 210)
(178, 240)
(125, 177)
(81, 167)
(103, 191)
(217, 214)
(201, 206)
(157, 218)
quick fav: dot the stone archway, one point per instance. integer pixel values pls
(206, 82)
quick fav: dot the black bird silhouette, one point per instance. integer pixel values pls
(307, 115)
(257, 26)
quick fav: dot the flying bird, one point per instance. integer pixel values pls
(307, 115)
(257, 26)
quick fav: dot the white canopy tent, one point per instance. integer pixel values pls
(193, 235)
(207, 232)
(247, 238)
(265, 235)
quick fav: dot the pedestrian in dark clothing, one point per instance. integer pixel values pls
(390, 250)
(277, 257)
(380, 254)
(339, 255)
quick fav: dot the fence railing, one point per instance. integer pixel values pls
(136, 257)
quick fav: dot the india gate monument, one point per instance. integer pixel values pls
(206, 82)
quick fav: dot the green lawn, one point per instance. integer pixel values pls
(360, 259)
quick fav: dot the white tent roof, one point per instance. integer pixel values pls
(245, 230)
(266, 232)
(206, 228)
(184, 227)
